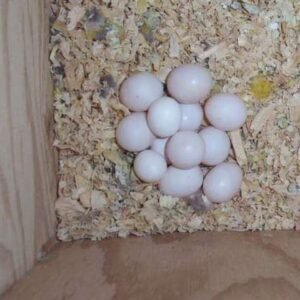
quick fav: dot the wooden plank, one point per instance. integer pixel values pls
(27, 163)
(204, 265)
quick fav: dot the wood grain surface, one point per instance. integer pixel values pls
(27, 168)
(200, 266)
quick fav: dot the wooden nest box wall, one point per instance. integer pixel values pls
(204, 265)
(27, 159)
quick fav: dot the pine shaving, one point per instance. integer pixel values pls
(237, 144)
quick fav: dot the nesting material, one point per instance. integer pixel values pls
(250, 48)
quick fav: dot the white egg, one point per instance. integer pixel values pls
(133, 133)
(164, 117)
(185, 149)
(191, 116)
(217, 145)
(140, 90)
(150, 166)
(223, 182)
(189, 83)
(181, 183)
(226, 111)
(159, 146)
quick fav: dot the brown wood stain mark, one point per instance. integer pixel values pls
(168, 238)
(205, 265)
(68, 272)
(276, 251)
(259, 289)
(222, 265)
(143, 269)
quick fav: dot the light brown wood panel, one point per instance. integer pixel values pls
(27, 163)
(204, 265)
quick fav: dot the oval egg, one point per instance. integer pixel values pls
(191, 116)
(159, 146)
(225, 111)
(185, 149)
(223, 182)
(181, 183)
(133, 133)
(149, 166)
(164, 117)
(140, 90)
(189, 83)
(217, 145)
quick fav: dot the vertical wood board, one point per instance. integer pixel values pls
(27, 161)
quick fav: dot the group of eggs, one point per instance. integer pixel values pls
(168, 132)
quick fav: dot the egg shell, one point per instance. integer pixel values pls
(225, 111)
(181, 183)
(149, 166)
(185, 149)
(217, 145)
(159, 146)
(189, 83)
(140, 90)
(164, 117)
(191, 116)
(133, 133)
(223, 182)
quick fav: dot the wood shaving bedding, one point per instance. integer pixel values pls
(250, 47)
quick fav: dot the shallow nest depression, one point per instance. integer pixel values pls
(250, 47)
